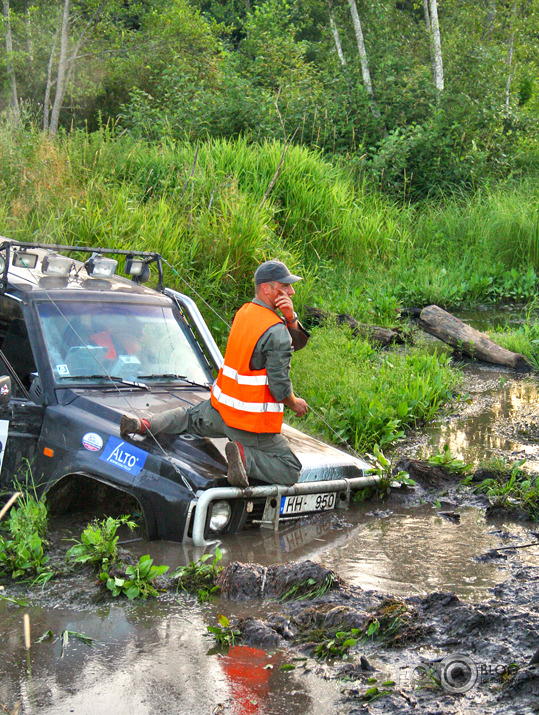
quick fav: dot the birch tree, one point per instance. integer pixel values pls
(363, 57)
(335, 33)
(14, 100)
(437, 47)
(66, 63)
(61, 84)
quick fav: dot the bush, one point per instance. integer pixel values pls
(22, 541)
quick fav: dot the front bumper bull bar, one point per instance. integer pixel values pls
(205, 498)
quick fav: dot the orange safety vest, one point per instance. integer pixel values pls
(241, 395)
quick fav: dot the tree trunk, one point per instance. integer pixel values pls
(62, 70)
(80, 41)
(509, 60)
(491, 15)
(374, 333)
(437, 46)
(29, 39)
(48, 86)
(363, 56)
(14, 101)
(335, 33)
(467, 340)
(428, 28)
(509, 72)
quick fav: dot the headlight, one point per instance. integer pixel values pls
(101, 267)
(54, 265)
(220, 515)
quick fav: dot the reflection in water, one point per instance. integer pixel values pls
(147, 658)
(412, 551)
(489, 426)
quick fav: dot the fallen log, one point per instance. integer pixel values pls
(468, 341)
(383, 336)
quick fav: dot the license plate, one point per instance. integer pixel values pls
(303, 503)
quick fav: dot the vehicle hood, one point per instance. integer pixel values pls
(203, 455)
(201, 460)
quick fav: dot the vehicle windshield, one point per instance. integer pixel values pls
(90, 341)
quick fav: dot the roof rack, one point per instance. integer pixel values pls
(8, 243)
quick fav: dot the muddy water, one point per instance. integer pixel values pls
(403, 552)
(147, 658)
(156, 657)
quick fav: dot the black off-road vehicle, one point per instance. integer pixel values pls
(79, 346)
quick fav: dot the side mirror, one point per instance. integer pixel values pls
(5, 389)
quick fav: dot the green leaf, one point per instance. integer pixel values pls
(46, 636)
(132, 592)
(223, 621)
(287, 666)
(144, 566)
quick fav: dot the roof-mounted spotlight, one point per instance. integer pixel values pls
(55, 265)
(137, 269)
(22, 259)
(101, 267)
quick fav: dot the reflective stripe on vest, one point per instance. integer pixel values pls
(246, 406)
(241, 395)
(244, 379)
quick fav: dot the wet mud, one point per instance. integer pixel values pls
(434, 654)
(424, 602)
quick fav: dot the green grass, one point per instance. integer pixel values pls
(510, 487)
(368, 396)
(525, 338)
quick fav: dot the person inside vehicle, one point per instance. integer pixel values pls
(252, 387)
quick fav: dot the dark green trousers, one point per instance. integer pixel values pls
(268, 457)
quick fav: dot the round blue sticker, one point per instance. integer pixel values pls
(92, 441)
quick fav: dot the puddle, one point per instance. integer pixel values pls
(501, 421)
(147, 658)
(156, 656)
(486, 318)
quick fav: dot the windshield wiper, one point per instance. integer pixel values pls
(114, 378)
(173, 376)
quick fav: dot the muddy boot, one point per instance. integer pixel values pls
(133, 425)
(236, 475)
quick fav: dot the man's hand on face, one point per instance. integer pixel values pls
(285, 305)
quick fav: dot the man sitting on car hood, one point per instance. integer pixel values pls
(252, 388)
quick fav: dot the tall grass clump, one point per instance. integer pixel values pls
(22, 539)
(367, 396)
(525, 338)
(202, 206)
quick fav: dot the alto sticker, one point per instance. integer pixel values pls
(92, 442)
(124, 455)
(4, 424)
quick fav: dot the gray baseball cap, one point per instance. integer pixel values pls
(274, 271)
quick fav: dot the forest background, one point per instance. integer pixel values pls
(387, 150)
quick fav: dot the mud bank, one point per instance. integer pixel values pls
(431, 654)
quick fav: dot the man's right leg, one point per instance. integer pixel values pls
(173, 421)
(197, 419)
(202, 420)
